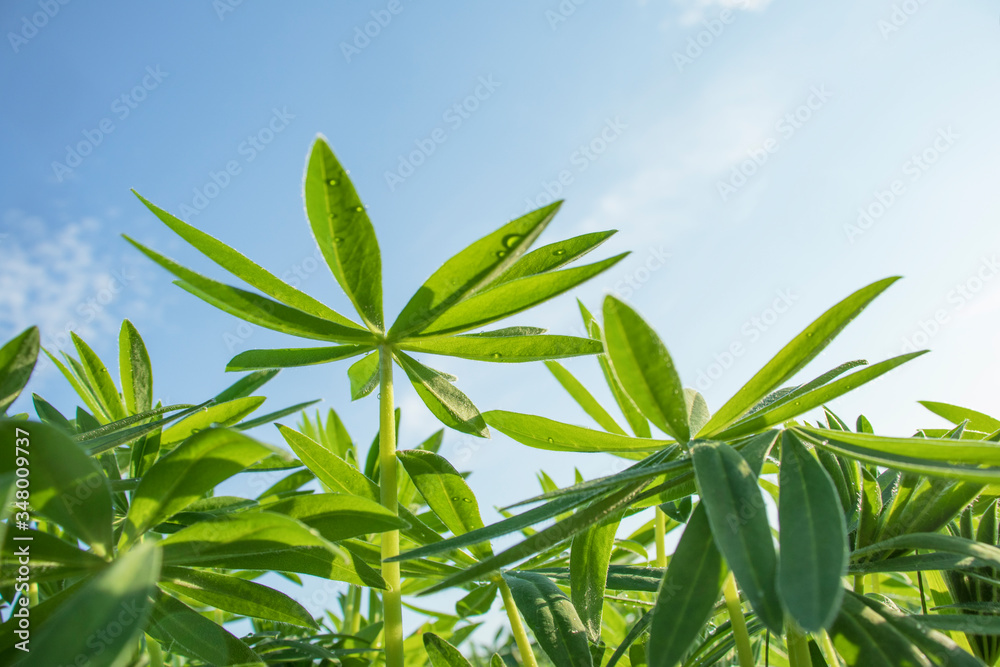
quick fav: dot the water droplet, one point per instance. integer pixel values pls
(359, 208)
(455, 498)
(550, 440)
(332, 181)
(560, 251)
(466, 500)
(501, 254)
(497, 355)
(338, 239)
(512, 240)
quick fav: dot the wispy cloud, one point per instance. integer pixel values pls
(694, 11)
(59, 278)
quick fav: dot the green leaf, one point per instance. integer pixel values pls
(687, 594)
(446, 493)
(99, 624)
(100, 380)
(863, 637)
(246, 385)
(67, 486)
(364, 375)
(794, 356)
(946, 458)
(187, 632)
(255, 308)
(584, 398)
(542, 433)
(477, 602)
(552, 618)
(553, 256)
(496, 303)
(17, 361)
(590, 556)
(956, 415)
(645, 369)
(783, 410)
(236, 595)
(185, 474)
(337, 516)
(273, 416)
(814, 548)
(344, 233)
(736, 512)
(224, 414)
(543, 539)
(442, 398)
(443, 654)
(50, 415)
(135, 370)
(265, 541)
(470, 270)
(291, 357)
(987, 553)
(505, 349)
(871, 507)
(244, 269)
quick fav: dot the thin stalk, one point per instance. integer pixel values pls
(516, 626)
(661, 538)
(859, 584)
(392, 597)
(798, 647)
(920, 585)
(829, 651)
(739, 624)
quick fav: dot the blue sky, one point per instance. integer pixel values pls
(756, 157)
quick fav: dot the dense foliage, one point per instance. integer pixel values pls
(800, 543)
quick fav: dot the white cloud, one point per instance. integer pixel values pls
(60, 278)
(695, 11)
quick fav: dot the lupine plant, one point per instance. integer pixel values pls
(800, 543)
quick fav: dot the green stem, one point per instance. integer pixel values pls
(859, 584)
(830, 651)
(661, 538)
(798, 647)
(391, 598)
(739, 624)
(516, 626)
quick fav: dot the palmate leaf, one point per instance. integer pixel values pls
(542, 433)
(84, 624)
(590, 556)
(236, 595)
(584, 398)
(185, 474)
(644, 367)
(443, 654)
(245, 269)
(187, 632)
(135, 370)
(337, 516)
(442, 398)
(446, 493)
(265, 541)
(552, 618)
(471, 269)
(553, 256)
(17, 361)
(344, 233)
(257, 309)
(67, 486)
(736, 512)
(949, 459)
(687, 594)
(956, 415)
(794, 356)
(797, 403)
(814, 545)
(99, 379)
(252, 360)
(364, 375)
(505, 349)
(496, 303)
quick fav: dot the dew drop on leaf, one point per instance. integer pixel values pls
(332, 181)
(338, 239)
(512, 240)
(497, 355)
(359, 208)
(501, 254)
(560, 251)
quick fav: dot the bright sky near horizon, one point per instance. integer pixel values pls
(760, 159)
